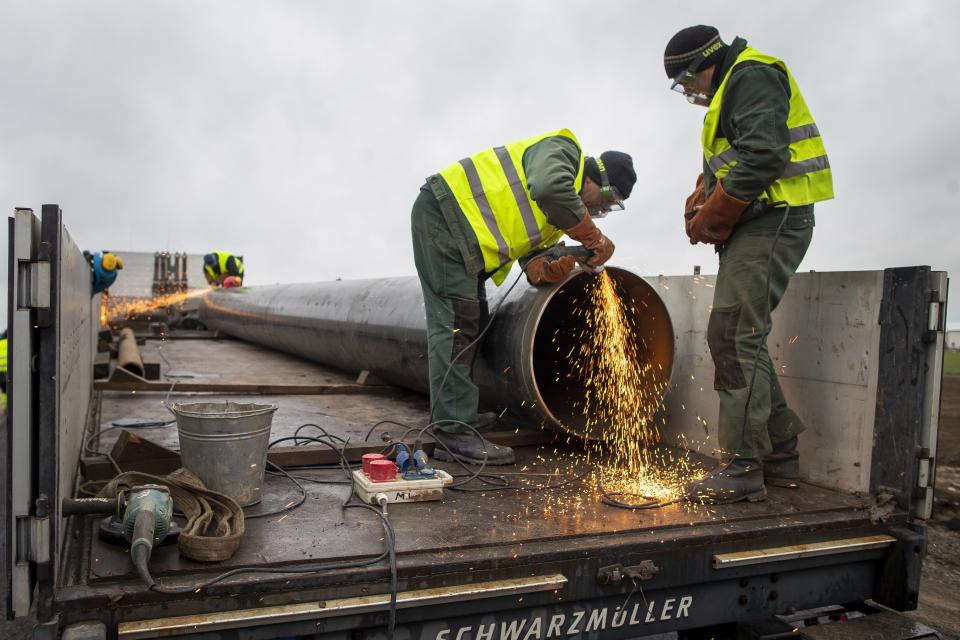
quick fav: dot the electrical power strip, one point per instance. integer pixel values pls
(401, 490)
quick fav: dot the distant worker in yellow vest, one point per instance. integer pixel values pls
(3, 371)
(222, 269)
(764, 167)
(472, 221)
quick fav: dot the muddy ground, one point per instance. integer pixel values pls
(940, 586)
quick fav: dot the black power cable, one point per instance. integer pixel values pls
(500, 483)
(389, 536)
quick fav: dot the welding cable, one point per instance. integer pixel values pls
(312, 569)
(609, 500)
(497, 481)
(389, 554)
(290, 507)
(334, 566)
(366, 438)
(503, 484)
(532, 489)
(389, 534)
(322, 430)
(459, 460)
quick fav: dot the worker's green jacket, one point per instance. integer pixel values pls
(756, 104)
(551, 167)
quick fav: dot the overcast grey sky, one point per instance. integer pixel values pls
(298, 133)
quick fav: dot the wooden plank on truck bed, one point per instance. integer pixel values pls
(135, 453)
(233, 387)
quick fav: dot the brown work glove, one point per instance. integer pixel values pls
(544, 270)
(713, 222)
(587, 234)
(695, 199)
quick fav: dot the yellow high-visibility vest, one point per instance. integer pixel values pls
(222, 257)
(807, 178)
(3, 372)
(491, 189)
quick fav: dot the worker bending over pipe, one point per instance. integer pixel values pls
(472, 221)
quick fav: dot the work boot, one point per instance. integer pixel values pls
(487, 421)
(469, 447)
(783, 463)
(738, 479)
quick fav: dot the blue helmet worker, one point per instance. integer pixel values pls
(105, 268)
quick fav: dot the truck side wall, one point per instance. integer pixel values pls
(67, 343)
(824, 344)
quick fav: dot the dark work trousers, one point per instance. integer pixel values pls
(735, 331)
(455, 303)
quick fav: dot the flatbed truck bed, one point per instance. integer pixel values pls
(489, 537)
(860, 355)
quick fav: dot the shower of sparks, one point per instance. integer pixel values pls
(623, 389)
(114, 309)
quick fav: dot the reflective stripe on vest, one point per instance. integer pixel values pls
(807, 178)
(491, 189)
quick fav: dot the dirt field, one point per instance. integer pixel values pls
(939, 599)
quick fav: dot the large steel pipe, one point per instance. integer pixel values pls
(380, 326)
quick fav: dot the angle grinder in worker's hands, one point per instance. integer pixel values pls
(553, 265)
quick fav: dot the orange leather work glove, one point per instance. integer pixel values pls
(544, 270)
(713, 222)
(587, 234)
(696, 198)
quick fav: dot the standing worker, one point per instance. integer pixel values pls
(472, 221)
(222, 269)
(764, 166)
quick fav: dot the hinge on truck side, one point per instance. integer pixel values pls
(33, 533)
(33, 284)
(935, 317)
(33, 539)
(617, 573)
(925, 469)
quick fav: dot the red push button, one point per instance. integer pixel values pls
(367, 458)
(383, 471)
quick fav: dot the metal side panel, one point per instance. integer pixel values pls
(65, 381)
(28, 293)
(823, 342)
(908, 391)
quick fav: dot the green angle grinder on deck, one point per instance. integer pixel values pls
(141, 517)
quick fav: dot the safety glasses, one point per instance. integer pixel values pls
(686, 83)
(609, 194)
(612, 201)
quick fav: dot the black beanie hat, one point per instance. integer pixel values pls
(620, 171)
(689, 43)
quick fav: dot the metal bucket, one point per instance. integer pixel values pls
(225, 444)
